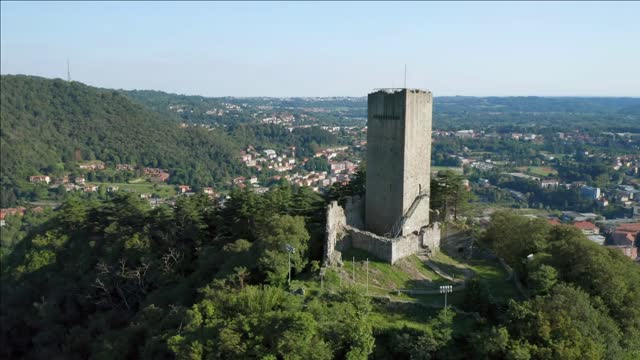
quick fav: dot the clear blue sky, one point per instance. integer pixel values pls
(321, 49)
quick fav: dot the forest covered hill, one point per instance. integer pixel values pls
(49, 125)
(113, 277)
(117, 279)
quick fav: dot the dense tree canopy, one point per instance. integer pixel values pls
(106, 277)
(586, 304)
(49, 125)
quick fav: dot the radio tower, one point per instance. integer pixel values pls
(68, 71)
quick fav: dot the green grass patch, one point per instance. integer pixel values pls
(407, 273)
(398, 309)
(161, 190)
(457, 170)
(449, 265)
(492, 273)
(538, 170)
(489, 271)
(415, 316)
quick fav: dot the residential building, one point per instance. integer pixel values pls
(270, 153)
(590, 192)
(70, 187)
(17, 211)
(61, 180)
(125, 167)
(464, 134)
(598, 239)
(629, 251)
(239, 181)
(40, 179)
(626, 234)
(92, 165)
(549, 184)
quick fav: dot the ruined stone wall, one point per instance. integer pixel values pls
(334, 231)
(376, 245)
(342, 235)
(354, 210)
(404, 246)
(431, 236)
(390, 250)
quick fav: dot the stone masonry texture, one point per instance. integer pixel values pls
(398, 159)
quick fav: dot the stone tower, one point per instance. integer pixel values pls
(398, 161)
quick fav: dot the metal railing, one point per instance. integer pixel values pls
(396, 229)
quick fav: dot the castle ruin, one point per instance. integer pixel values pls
(393, 220)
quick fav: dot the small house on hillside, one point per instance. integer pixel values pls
(588, 228)
(40, 179)
(183, 189)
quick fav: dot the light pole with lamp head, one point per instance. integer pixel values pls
(290, 249)
(445, 289)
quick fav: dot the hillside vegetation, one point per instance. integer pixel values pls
(116, 279)
(48, 125)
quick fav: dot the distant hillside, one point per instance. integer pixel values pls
(631, 110)
(450, 112)
(592, 112)
(191, 108)
(47, 125)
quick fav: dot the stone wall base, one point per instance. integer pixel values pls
(341, 235)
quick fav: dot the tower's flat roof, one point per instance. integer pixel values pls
(396, 90)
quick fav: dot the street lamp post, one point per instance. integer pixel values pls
(290, 249)
(353, 266)
(367, 276)
(289, 281)
(445, 289)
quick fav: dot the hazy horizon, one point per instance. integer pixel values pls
(330, 49)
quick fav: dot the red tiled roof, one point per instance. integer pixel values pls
(12, 211)
(585, 225)
(554, 221)
(630, 227)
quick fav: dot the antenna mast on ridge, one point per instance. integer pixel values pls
(68, 71)
(405, 76)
